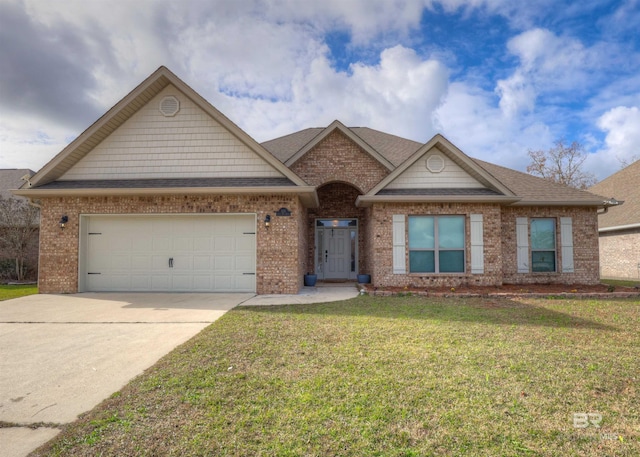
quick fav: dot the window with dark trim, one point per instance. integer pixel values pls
(543, 245)
(436, 244)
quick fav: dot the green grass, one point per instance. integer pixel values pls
(393, 376)
(620, 283)
(8, 292)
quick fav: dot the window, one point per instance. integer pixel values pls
(436, 244)
(543, 245)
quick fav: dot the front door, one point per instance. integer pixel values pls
(337, 253)
(336, 244)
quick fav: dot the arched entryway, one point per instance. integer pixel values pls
(337, 233)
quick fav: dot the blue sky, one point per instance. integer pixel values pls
(496, 77)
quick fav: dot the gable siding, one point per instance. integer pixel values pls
(338, 159)
(417, 176)
(189, 144)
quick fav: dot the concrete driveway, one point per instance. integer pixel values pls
(61, 355)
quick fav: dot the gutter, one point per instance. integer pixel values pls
(307, 194)
(618, 227)
(609, 203)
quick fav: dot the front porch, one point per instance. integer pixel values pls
(336, 232)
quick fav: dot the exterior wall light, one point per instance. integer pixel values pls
(267, 220)
(63, 222)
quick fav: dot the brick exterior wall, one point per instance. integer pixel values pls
(585, 245)
(499, 239)
(342, 171)
(380, 239)
(620, 254)
(337, 158)
(279, 267)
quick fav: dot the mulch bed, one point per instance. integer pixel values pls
(536, 290)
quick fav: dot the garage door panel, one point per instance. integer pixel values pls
(202, 244)
(161, 282)
(244, 263)
(245, 283)
(182, 283)
(122, 282)
(183, 244)
(202, 262)
(223, 263)
(160, 262)
(202, 282)
(141, 283)
(161, 243)
(120, 261)
(224, 244)
(141, 262)
(210, 253)
(182, 263)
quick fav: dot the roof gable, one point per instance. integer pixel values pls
(438, 164)
(189, 144)
(623, 185)
(91, 155)
(337, 125)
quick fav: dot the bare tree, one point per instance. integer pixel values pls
(562, 164)
(624, 163)
(18, 226)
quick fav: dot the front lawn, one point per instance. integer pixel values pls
(14, 291)
(393, 376)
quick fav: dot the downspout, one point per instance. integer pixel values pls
(609, 203)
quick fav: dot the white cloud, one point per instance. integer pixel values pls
(24, 143)
(621, 143)
(550, 65)
(470, 118)
(399, 96)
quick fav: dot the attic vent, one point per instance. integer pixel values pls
(435, 163)
(169, 106)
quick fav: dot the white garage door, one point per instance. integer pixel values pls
(212, 253)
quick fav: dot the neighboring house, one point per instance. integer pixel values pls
(12, 178)
(13, 236)
(164, 193)
(619, 227)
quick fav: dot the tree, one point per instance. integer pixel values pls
(18, 227)
(562, 164)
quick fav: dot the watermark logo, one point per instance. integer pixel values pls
(584, 420)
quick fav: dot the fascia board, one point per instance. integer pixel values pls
(368, 200)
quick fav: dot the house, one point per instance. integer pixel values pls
(619, 227)
(12, 178)
(165, 193)
(18, 229)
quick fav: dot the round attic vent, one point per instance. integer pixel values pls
(169, 106)
(435, 163)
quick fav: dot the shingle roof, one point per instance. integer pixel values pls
(625, 186)
(395, 149)
(533, 189)
(10, 179)
(286, 146)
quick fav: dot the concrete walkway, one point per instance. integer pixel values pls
(61, 355)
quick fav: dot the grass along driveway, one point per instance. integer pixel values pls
(393, 376)
(14, 291)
